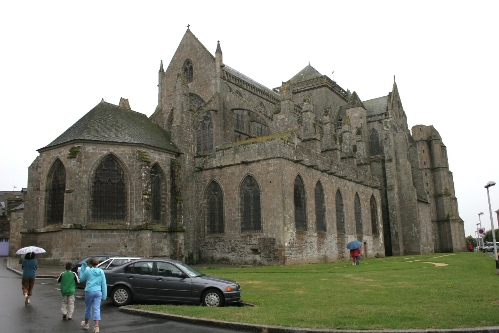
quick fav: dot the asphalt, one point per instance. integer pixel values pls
(54, 271)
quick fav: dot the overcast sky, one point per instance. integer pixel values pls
(60, 58)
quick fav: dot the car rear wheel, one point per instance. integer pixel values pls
(213, 298)
(121, 295)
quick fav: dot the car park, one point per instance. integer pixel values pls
(169, 281)
(115, 262)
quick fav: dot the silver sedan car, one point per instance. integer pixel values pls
(167, 280)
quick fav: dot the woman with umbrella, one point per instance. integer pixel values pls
(29, 266)
(354, 247)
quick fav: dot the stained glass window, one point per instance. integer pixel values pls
(188, 70)
(156, 192)
(340, 216)
(251, 218)
(358, 215)
(320, 208)
(299, 202)
(374, 216)
(215, 207)
(56, 187)
(109, 191)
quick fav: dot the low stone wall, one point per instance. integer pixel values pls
(65, 245)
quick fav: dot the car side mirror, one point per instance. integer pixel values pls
(183, 275)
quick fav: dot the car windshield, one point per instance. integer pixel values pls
(189, 270)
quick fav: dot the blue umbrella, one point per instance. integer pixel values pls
(355, 244)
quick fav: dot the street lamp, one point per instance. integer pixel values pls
(489, 184)
(477, 235)
(481, 242)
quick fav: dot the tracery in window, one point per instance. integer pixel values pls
(320, 208)
(358, 215)
(299, 204)
(374, 216)
(340, 216)
(188, 70)
(56, 187)
(260, 129)
(215, 210)
(196, 101)
(108, 199)
(374, 145)
(239, 116)
(157, 186)
(204, 134)
(251, 216)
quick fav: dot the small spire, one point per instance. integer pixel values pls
(161, 67)
(188, 25)
(394, 79)
(219, 49)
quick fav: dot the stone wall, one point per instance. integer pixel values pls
(276, 178)
(69, 244)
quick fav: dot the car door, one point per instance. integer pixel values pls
(172, 285)
(140, 276)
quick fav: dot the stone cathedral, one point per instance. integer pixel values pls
(229, 171)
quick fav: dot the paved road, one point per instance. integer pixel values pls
(44, 314)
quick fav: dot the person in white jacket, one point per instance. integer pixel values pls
(95, 291)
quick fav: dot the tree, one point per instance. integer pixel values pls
(488, 236)
(470, 240)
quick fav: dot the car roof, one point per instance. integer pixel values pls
(162, 259)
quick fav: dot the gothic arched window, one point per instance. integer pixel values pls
(299, 202)
(374, 216)
(375, 148)
(157, 177)
(56, 187)
(188, 70)
(215, 209)
(108, 191)
(358, 215)
(251, 216)
(340, 216)
(204, 134)
(320, 208)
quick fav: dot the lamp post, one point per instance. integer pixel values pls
(481, 242)
(489, 184)
(477, 234)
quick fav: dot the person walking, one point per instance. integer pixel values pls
(29, 266)
(95, 291)
(68, 280)
(355, 254)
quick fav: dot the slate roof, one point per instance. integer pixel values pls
(107, 122)
(306, 74)
(376, 106)
(248, 79)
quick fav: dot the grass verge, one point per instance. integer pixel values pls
(437, 291)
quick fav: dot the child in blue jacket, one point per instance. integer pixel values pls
(95, 291)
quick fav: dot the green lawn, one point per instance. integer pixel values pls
(446, 290)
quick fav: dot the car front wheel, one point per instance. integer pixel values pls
(213, 298)
(121, 296)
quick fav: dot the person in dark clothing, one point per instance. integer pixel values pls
(29, 266)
